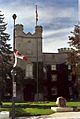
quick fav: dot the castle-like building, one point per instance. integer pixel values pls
(47, 75)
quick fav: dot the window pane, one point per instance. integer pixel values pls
(69, 67)
(53, 67)
(70, 77)
(29, 70)
(54, 91)
(54, 77)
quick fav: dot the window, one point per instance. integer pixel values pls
(54, 91)
(78, 77)
(69, 77)
(45, 91)
(54, 77)
(44, 69)
(29, 70)
(53, 67)
(69, 67)
(45, 72)
(70, 91)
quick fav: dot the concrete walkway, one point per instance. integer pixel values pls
(61, 115)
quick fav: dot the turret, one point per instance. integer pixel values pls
(39, 30)
(18, 29)
(65, 50)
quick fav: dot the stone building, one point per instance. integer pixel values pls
(47, 75)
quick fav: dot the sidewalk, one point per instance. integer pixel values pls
(61, 115)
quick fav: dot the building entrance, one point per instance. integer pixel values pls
(28, 92)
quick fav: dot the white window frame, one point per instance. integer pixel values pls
(53, 67)
(69, 67)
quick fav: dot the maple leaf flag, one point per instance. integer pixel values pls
(17, 55)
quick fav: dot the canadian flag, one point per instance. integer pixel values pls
(17, 55)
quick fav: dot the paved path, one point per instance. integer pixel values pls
(62, 115)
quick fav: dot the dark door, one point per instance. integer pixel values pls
(29, 92)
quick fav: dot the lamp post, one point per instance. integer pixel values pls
(14, 18)
(13, 73)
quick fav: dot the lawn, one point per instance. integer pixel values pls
(34, 108)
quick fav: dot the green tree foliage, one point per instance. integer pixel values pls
(74, 57)
(5, 54)
(5, 48)
(75, 39)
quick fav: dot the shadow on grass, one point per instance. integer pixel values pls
(20, 112)
(30, 110)
(43, 106)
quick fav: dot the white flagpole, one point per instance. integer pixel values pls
(15, 63)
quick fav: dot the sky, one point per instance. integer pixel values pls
(57, 17)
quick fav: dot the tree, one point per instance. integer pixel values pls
(74, 56)
(75, 39)
(75, 42)
(5, 53)
(5, 48)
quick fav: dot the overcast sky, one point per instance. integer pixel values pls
(57, 17)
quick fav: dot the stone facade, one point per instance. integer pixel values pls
(47, 87)
(29, 44)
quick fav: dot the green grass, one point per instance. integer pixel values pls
(34, 108)
(73, 104)
(33, 112)
(32, 104)
(30, 108)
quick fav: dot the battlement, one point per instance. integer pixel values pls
(64, 50)
(19, 27)
(39, 30)
(19, 30)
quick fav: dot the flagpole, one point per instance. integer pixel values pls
(36, 16)
(79, 12)
(37, 56)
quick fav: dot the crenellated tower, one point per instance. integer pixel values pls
(28, 43)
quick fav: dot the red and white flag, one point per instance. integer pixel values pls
(17, 55)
